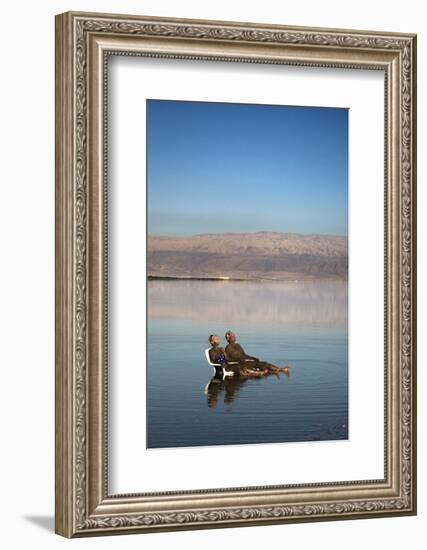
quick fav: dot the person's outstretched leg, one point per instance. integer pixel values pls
(275, 368)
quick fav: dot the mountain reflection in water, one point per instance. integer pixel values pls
(305, 303)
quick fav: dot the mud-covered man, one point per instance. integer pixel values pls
(235, 352)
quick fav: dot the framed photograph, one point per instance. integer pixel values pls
(235, 274)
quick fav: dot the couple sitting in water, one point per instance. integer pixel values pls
(247, 366)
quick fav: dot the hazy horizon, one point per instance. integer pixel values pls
(204, 234)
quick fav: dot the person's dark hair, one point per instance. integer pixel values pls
(210, 338)
(227, 334)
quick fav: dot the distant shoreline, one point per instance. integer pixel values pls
(294, 279)
(167, 277)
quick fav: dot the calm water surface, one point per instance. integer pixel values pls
(304, 323)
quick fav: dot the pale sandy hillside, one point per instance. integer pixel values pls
(248, 255)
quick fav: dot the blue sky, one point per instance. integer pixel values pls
(224, 167)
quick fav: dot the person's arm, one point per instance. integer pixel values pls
(246, 356)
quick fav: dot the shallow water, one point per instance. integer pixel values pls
(304, 323)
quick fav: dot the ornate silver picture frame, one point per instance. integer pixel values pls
(84, 42)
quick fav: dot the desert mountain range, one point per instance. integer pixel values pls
(262, 255)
